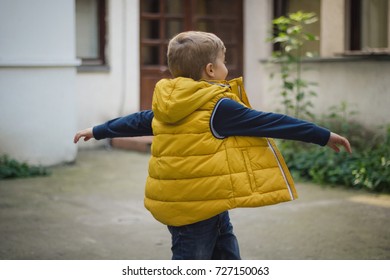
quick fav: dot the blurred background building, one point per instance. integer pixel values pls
(71, 64)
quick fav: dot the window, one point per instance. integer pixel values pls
(285, 7)
(369, 26)
(91, 32)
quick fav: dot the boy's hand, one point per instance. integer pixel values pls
(86, 133)
(336, 140)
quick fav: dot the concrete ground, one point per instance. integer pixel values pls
(93, 209)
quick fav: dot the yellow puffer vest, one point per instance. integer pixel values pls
(192, 174)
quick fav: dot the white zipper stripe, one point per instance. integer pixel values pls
(281, 169)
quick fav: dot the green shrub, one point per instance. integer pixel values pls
(10, 168)
(366, 168)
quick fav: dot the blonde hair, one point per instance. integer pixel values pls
(189, 53)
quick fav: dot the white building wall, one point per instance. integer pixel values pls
(37, 80)
(363, 84)
(257, 18)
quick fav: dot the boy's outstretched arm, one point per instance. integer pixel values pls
(85, 133)
(136, 124)
(233, 119)
(336, 140)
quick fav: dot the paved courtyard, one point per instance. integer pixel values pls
(93, 209)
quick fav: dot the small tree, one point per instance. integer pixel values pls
(290, 35)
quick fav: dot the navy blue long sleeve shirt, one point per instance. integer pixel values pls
(228, 119)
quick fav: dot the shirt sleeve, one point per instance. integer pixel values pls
(230, 118)
(137, 124)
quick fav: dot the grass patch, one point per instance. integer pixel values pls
(11, 169)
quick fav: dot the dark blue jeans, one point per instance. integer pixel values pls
(211, 239)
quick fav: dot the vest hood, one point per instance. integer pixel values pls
(175, 99)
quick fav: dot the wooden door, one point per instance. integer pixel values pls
(163, 19)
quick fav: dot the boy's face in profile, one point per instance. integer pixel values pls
(216, 70)
(219, 67)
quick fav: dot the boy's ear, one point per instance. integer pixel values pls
(209, 70)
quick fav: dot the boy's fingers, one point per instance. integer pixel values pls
(349, 149)
(346, 145)
(334, 147)
(336, 140)
(77, 137)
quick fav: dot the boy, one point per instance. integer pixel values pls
(208, 154)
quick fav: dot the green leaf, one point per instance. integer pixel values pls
(295, 29)
(288, 85)
(280, 39)
(310, 37)
(281, 21)
(310, 20)
(288, 48)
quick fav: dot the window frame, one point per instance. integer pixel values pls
(354, 31)
(352, 34)
(100, 62)
(279, 9)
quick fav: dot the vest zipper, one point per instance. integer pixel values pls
(239, 92)
(281, 169)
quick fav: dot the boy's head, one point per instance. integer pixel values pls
(191, 52)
